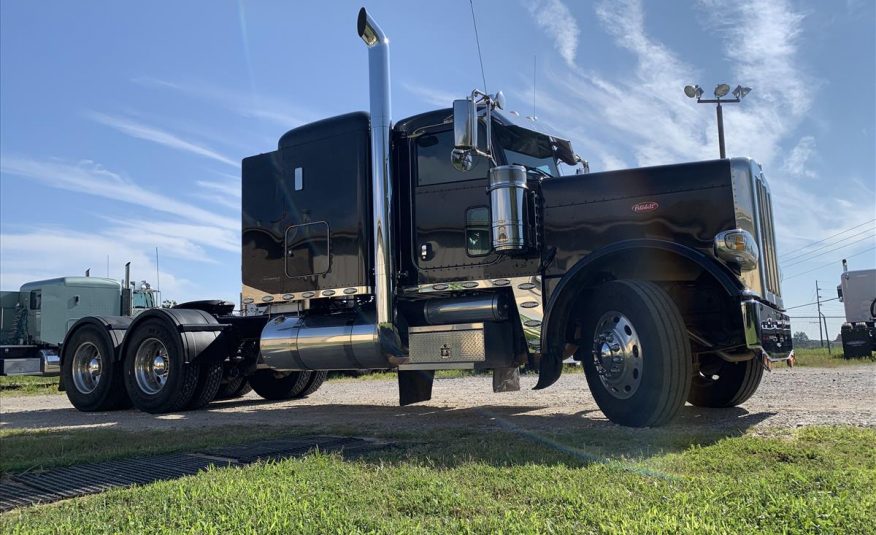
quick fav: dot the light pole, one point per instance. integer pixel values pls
(695, 91)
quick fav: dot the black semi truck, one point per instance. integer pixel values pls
(450, 240)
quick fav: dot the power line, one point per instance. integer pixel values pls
(812, 303)
(478, 41)
(859, 253)
(828, 251)
(829, 237)
(802, 255)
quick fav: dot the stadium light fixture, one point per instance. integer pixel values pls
(721, 90)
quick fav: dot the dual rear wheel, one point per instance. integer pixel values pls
(153, 375)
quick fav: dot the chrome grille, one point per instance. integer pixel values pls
(767, 237)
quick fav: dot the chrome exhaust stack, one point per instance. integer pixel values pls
(362, 341)
(381, 185)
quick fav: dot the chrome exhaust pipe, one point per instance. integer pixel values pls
(381, 183)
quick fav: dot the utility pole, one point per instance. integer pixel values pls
(818, 300)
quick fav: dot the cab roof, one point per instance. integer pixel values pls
(79, 282)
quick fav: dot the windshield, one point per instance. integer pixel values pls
(528, 148)
(547, 165)
(143, 299)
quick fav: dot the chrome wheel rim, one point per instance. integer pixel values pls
(151, 366)
(87, 367)
(617, 355)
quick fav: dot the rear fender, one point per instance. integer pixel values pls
(201, 335)
(112, 327)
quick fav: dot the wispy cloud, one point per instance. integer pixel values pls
(557, 21)
(46, 252)
(92, 178)
(638, 111)
(159, 136)
(254, 106)
(641, 112)
(797, 161)
(769, 63)
(432, 96)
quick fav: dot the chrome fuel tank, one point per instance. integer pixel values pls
(321, 343)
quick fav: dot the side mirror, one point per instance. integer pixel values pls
(461, 159)
(465, 125)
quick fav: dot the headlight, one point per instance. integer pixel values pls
(737, 246)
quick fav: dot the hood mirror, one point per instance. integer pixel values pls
(461, 159)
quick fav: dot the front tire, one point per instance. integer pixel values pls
(157, 378)
(91, 373)
(639, 362)
(720, 384)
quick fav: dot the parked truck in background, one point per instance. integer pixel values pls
(450, 240)
(857, 292)
(35, 319)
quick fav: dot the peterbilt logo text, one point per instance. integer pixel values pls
(648, 206)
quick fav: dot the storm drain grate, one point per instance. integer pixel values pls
(62, 483)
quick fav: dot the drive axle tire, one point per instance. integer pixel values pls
(639, 363)
(726, 385)
(275, 386)
(157, 377)
(91, 373)
(233, 389)
(209, 381)
(316, 381)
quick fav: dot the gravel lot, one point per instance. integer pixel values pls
(786, 399)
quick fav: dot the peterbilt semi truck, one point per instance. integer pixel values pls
(35, 319)
(450, 240)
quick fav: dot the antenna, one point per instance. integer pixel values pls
(107, 266)
(478, 41)
(533, 85)
(157, 277)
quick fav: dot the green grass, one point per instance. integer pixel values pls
(820, 358)
(812, 480)
(28, 385)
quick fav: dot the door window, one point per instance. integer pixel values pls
(433, 161)
(477, 231)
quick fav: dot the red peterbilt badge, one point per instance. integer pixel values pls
(648, 206)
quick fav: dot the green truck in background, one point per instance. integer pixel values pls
(35, 319)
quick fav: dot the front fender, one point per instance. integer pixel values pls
(589, 271)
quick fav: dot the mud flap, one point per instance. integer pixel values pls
(506, 379)
(550, 367)
(415, 386)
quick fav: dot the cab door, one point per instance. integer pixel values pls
(451, 213)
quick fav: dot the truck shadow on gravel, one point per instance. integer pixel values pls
(481, 433)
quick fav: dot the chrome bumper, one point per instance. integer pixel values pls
(767, 330)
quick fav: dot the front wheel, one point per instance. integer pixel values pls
(719, 384)
(639, 366)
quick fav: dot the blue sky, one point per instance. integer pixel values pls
(122, 126)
